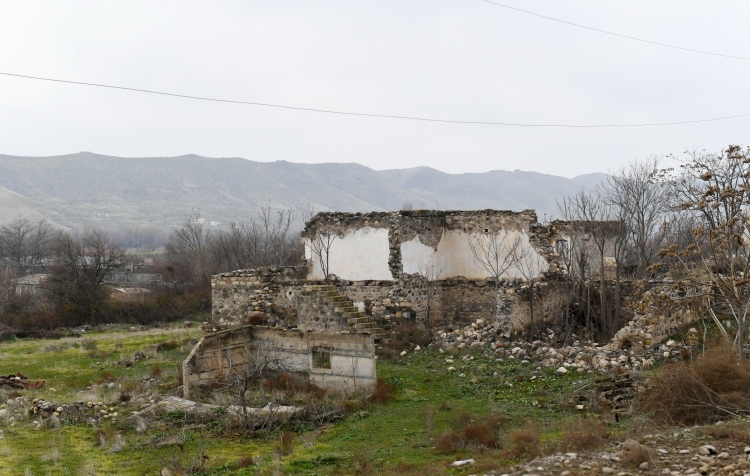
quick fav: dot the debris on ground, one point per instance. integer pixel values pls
(21, 381)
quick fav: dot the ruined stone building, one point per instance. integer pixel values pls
(384, 267)
(364, 273)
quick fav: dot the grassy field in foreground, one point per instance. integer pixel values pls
(395, 437)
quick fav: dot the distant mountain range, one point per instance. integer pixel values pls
(90, 190)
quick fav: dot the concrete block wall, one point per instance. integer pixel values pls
(352, 357)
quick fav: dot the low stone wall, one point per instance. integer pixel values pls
(349, 360)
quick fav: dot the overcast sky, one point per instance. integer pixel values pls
(448, 59)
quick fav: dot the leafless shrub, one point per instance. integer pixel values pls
(706, 390)
(55, 347)
(584, 435)
(285, 444)
(89, 344)
(429, 415)
(185, 460)
(383, 392)
(526, 444)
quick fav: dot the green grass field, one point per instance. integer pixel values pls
(396, 437)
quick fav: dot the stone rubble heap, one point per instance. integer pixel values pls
(681, 453)
(581, 356)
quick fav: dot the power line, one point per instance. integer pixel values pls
(363, 114)
(616, 34)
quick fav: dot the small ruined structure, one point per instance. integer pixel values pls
(331, 361)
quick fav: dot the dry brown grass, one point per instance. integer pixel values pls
(155, 370)
(285, 444)
(710, 389)
(243, 463)
(167, 346)
(526, 444)
(467, 432)
(584, 434)
(106, 377)
(383, 392)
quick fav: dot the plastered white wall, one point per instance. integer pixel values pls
(453, 257)
(359, 255)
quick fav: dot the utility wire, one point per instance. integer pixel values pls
(363, 114)
(616, 34)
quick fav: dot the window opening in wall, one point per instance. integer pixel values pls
(322, 358)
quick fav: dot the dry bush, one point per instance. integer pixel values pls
(243, 463)
(707, 390)
(584, 435)
(155, 370)
(89, 344)
(167, 346)
(526, 444)
(635, 454)
(482, 435)
(285, 445)
(106, 377)
(407, 336)
(55, 347)
(383, 392)
(460, 420)
(291, 385)
(450, 442)
(465, 432)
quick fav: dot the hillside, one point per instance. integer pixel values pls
(87, 189)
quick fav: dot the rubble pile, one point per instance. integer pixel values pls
(682, 452)
(581, 356)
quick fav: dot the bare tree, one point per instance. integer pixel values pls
(529, 263)
(26, 245)
(640, 201)
(189, 254)
(261, 242)
(246, 369)
(320, 243)
(495, 254)
(79, 270)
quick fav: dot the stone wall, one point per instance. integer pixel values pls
(350, 358)
(277, 297)
(433, 243)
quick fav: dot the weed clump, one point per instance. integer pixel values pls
(383, 392)
(89, 344)
(584, 435)
(466, 432)
(526, 444)
(106, 377)
(707, 390)
(155, 371)
(167, 346)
